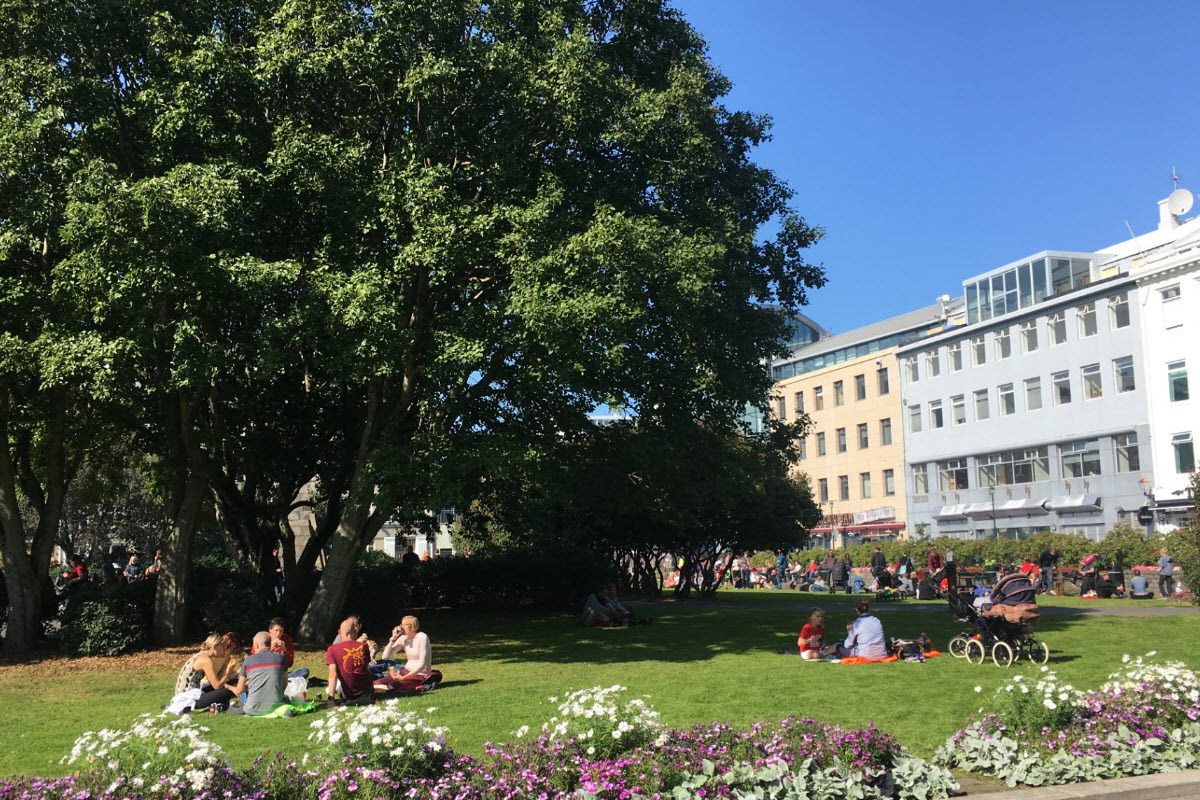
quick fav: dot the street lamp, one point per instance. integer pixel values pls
(992, 494)
(1148, 493)
(832, 526)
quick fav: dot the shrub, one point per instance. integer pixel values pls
(235, 608)
(154, 748)
(107, 620)
(381, 736)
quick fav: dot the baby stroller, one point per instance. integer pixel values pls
(1005, 631)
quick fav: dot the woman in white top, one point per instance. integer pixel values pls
(418, 666)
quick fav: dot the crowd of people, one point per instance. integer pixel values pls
(222, 677)
(111, 573)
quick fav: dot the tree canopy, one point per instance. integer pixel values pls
(378, 247)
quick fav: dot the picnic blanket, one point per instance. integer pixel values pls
(852, 660)
(304, 707)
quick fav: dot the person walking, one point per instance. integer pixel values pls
(781, 568)
(878, 562)
(1166, 574)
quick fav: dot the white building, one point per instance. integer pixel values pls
(1166, 266)
(1037, 414)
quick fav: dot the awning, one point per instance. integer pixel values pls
(885, 526)
(955, 512)
(979, 511)
(1076, 503)
(1020, 508)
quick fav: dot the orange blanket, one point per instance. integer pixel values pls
(864, 660)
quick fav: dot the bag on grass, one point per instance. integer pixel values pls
(296, 690)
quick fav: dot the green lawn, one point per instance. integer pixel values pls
(698, 662)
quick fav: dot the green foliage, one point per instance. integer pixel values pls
(106, 621)
(1123, 542)
(234, 607)
(1184, 546)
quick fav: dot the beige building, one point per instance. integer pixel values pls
(849, 386)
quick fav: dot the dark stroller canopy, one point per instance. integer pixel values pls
(1014, 589)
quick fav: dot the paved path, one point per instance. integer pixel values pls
(800, 604)
(1144, 787)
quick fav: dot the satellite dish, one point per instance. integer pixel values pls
(1180, 202)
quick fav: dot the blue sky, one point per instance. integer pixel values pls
(934, 141)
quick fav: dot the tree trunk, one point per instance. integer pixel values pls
(324, 610)
(171, 596)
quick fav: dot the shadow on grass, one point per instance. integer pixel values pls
(686, 632)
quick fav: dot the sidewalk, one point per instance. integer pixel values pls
(1144, 787)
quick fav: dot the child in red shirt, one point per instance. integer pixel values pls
(812, 635)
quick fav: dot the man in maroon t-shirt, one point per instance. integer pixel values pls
(348, 661)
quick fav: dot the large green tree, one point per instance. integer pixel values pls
(389, 239)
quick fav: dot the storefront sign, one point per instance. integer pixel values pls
(875, 515)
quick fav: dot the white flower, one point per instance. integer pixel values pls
(978, 689)
(1050, 705)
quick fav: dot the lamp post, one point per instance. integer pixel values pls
(1144, 484)
(832, 526)
(992, 495)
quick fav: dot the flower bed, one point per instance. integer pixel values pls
(599, 745)
(1145, 719)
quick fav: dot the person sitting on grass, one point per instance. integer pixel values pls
(864, 636)
(597, 613)
(212, 671)
(812, 636)
(348, 660)
(264, 677)
(1139, 587)
(857, 585)
(409, 639)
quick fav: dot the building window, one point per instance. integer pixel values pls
(910, 366)
(1091, 382)
(783, 408)
(914, 419)
(982, 411)
(823, 489)
(958, 409)
(864, 484)
(1062, 388)
(799, 402)
(978, 351)
(935, 414)
(882, 377)
(862, 436)
(820, 444)
(1170, 293)
(1123, 374)
(843, 487)
(818, 398)
(803, 447)
(933, 363)
(920, 479)
(1008, 400)
(889, 482)
(1080, 459)
(1033, 394)
(1015, 466)
(1126, 445)
(1057, 324)
(1029, 342)
(952, 475)
(1087, 320)
(1003, 345)
(1177, 381)
(841, 440)
(1118, 312)
(885, 431)
(860, 387)
(1185, 456)
(839, 396)
(954, 356)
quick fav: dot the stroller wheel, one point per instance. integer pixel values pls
(975, 653)
(958, 646)
(1002, 654)
(1039, 652)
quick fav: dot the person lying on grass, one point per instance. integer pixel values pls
(409, 639)
(812, 635)
(864, 636)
